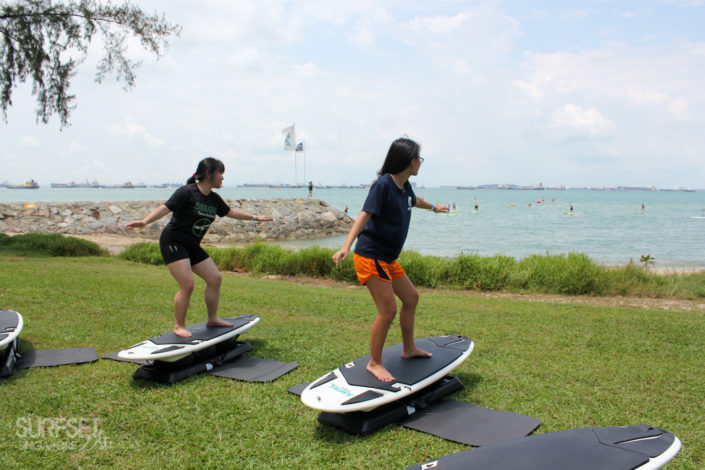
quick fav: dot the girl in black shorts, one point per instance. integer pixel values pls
(194, 208)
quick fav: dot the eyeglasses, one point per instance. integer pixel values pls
(420, 159)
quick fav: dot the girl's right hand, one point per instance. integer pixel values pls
(340, 256)
(135, 224)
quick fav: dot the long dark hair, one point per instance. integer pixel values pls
(399, 157)
(207, 166)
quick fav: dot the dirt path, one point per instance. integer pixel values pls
(676, 305)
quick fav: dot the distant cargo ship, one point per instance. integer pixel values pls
(127, 185)
(85, 184)
(31, 184)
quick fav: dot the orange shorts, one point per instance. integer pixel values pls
(365, 268)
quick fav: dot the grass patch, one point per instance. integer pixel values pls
(569, 365)
(571, 274)
(41, 244)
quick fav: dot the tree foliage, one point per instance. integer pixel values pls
(45, 41)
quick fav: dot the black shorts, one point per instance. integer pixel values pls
(174, 251)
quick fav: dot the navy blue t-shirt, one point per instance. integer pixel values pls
(193, 212)
(384, 235)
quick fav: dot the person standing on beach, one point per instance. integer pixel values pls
(381, 230)
(194, 207)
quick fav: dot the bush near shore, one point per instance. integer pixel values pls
(39, 244)
(570, 274)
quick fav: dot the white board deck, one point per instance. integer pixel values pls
(637, 447)
(170, 347)
(352, 388)
(11, 324)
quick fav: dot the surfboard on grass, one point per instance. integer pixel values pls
(637, 447)
(352, 388)
(11, 324)
(170, 347)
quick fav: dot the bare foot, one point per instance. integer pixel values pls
(218, 322)
(182, 331)
(380, 372)
(416, 352)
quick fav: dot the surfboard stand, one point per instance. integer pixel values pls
(195, 363)
(367, 422)
(8, 359)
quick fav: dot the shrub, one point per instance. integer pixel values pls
(571, 274)
(419, 268)
(315, 262)
(574, 274)
(494, 273)
(52, 244)
(143, 252)
(262, 258)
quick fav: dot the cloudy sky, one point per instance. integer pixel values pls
(575, 93)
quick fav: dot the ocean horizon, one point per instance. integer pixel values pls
(609, 226)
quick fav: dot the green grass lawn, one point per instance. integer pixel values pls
(569, 365)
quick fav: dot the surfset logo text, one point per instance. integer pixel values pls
(342, 390)
(74, 434)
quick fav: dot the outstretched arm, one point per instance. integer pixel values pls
(355, 230)
(153, 216)
(422, 204)
(240, 215)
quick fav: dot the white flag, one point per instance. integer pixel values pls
(290, 137)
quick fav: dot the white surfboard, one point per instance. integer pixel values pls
(637, 447)
(11, 324)
(170, 347)
(352, 388)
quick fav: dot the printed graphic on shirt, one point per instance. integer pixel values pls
(206, 210)
(200, 227)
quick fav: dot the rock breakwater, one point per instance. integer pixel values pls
(293, 219)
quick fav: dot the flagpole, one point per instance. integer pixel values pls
(305, 180)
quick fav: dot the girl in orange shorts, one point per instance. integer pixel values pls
(381, 230)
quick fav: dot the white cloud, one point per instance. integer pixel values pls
(130, 128)
(530, 89)
(77, 147)
(306, 70)
(439, 25)
(679, 109)
(245, 56)
(29, 142)
(581, 122)
(645, 97)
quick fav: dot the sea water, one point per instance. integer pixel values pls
(608, 226)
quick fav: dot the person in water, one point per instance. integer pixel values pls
(381, 230)
(194, 208)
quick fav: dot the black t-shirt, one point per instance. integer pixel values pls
(384, 235)
(193, 212)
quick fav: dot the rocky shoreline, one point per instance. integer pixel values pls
(293, 219)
